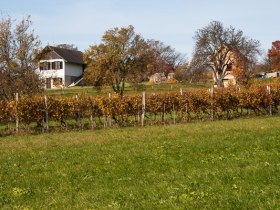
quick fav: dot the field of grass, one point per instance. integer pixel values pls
(206, 165)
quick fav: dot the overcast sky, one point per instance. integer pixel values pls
(174, 22)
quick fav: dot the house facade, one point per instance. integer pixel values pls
(272, 75)
(60, 67)
(157, 78)
(229, 79)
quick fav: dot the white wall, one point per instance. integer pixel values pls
(53, 73)
(72, 69)
(69, 70)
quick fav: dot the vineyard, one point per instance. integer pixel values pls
(42, 113)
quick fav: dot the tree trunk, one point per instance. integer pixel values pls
(220, 83)
(122, 88)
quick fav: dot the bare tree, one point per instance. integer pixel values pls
(67, 46)
(219, 48)
(191, 73)
(18, 49)
(163, 58)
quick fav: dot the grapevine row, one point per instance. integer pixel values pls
(88, 111)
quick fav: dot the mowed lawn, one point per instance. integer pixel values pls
(206, 165)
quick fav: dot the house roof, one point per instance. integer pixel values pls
(72, 56)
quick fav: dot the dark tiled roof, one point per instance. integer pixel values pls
(72, 56)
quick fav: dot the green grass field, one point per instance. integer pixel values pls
(206, 165)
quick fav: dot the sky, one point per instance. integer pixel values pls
(174, 22)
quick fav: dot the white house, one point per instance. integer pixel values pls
(272, 75)
(60, 67)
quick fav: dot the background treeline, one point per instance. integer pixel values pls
(42, 113)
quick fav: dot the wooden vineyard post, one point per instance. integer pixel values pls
(212, 105)
(270, 105)
(181, 93)
(138, 116)
(187, 112)
(78, 111)
(47, 113)
(104, 121)
(17, 120)
(174, 115)
(110, 119)
(91, 120)
(143, 108)
(164, 113)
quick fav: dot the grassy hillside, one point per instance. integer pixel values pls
(210, 165)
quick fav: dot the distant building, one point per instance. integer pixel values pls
(264, 75)
(157, 78)
(170, 76)
(261, 75)
(160, 77)
(272, 75)
(229, 79)
(60, 67)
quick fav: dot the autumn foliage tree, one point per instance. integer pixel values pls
(18, 49)
(120, 58)
(274, 56)
(242, 68)
(125, 56)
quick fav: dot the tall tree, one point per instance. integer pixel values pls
(219, 48)
(18, 49)
(264, 66)
(163, 58)
(274, 56)
(120, 58)
(193, 72)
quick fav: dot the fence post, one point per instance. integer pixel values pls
(138, 116)
(78, 111)
(270, 105)
(47, 113)
(212, 105)
(143, 108)
(17, 119)
(164, 113)
(110, 119)
(104, 121)
(174, 114)
(187, 112)
(91, 120)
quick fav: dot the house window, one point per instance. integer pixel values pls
(51, 65)
(57, 82)
(41, 66)
(61, 65)
(45, 66)
(57, 65)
